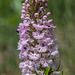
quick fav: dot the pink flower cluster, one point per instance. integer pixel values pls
(37, 42)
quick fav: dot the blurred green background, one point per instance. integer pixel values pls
(63, 14)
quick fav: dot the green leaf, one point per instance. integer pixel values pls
(62, 72)
(48, 71)
(58, 67)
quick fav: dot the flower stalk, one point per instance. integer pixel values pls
(38, 50)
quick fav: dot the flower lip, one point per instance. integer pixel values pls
(38, 27)
(34, 56)
(38, 35)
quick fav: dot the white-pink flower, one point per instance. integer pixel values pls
(38, 35)
(34, 56)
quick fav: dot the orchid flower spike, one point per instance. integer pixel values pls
(38, 50)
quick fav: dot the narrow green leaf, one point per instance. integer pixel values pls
(47, 70)
(62, 72)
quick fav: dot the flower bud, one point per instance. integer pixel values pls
(48, 14)
(36, 14)
(44, 17)
(26, 1)
(23, 4)
(28, 6)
